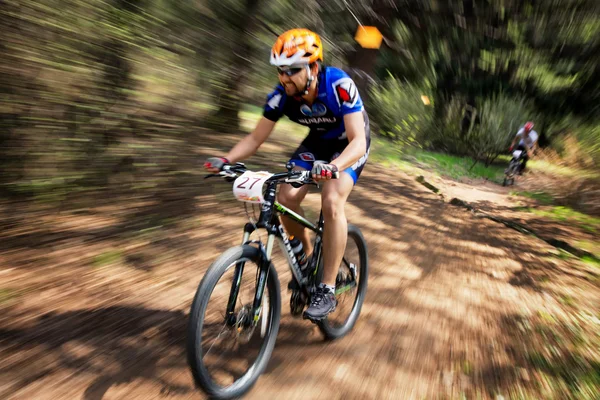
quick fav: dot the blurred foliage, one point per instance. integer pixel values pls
(400, 112)
(499, 117)
(482, 132)
(93, 88)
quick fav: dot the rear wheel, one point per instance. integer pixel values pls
(227, 354)
(350, 287)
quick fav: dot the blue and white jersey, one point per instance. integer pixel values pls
(337, 96)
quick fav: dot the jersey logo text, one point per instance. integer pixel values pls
(319, 120)
(317, 110)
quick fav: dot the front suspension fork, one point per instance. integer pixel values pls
(263, 275)
(237, 280)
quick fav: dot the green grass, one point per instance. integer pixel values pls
(591, 261)
(388, 155)
(564, 255)
(589, 246)
(455, 167)
(108, 258)
(458, 167)
(567, 214)
(541, 197)
(567, 300)
(7, 295)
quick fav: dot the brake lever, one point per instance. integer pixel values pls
(229, 175)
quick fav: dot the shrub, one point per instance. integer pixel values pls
(499, 118)
(399, 113)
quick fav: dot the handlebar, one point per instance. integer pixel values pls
(295, 178)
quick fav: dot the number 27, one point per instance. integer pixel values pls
(241, 185)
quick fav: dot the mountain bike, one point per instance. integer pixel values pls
(254, 320)
(513, 167)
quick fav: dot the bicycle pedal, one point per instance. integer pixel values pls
(314, 320)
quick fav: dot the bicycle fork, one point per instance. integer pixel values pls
(261, 282)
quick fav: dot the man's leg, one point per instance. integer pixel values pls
(523, 159)
(524, 163)
(292, 198)
(335, 234)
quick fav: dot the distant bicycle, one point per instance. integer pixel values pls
(514, 166)
(246, 326)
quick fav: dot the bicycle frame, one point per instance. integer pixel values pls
(514, 161)
(269, 220)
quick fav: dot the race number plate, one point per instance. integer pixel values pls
(517, 153)
(248, 187)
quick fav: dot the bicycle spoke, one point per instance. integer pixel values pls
(214, 340)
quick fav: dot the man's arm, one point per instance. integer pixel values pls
(248, 145)
(357, 139)
(517, 136)
(535, 142)
(245, 147)
(531, 149)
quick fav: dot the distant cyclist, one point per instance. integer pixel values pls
(326, 100)
(528, 139)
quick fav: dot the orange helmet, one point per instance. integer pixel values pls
(297, 46)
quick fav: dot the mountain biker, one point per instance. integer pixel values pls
(528, 139)
(326, 100)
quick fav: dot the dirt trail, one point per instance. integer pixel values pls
(443, 285)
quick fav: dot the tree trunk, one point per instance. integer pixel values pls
(229, 98)
(362, 67)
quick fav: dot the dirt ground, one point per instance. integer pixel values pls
(94, 302)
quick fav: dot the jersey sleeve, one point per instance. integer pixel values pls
(520, 132)
(273, 109)
(346, 94)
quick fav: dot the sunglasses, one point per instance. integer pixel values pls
(288, 71)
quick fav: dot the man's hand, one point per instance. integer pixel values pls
(323, 171)
(511, 148)
(215, 164)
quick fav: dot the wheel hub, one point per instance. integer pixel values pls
(244, 328)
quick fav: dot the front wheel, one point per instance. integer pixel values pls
(229, 364)
(350, 287)
(511, 171)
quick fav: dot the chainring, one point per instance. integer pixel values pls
(297, 303)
